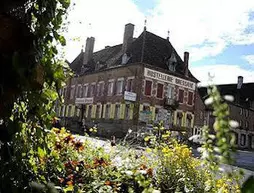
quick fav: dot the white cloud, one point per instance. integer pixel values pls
(203, 27)
(222, 74)
(249, 58)
(211, 24)
(103, 20)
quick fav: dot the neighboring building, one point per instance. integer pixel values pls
(241, 110)
(140, 81)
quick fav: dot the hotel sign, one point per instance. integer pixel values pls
(80, 101)
(149, 73)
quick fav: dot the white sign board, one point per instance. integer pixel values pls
(149, 73)
(130, 96)
(84, 100)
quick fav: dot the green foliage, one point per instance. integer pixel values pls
(248, 186)
(34, 96)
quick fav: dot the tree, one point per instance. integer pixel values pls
(31, 70)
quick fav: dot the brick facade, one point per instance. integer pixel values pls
(243, 115)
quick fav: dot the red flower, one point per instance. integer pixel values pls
(143, 167)
(79, 145)
(70, 183)
(107, 183)
(149, 171)
(100, 162)
(61, 180)
(58, 145)
(68, 139)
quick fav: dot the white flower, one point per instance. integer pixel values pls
(200, 149)
(229, 98)
(216, 149)
(221, 169)
(142, 172)
(204, 155)
(209, 101)
(117, 161)
(233, 124)
(129, 173)
(156, 191)
(194, 137)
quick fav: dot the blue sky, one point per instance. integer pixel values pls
(218, 34)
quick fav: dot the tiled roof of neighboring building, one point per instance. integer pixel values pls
(156, 52)
(244, 95)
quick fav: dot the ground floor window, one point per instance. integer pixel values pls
(107, 111)
(236, 138)
(179, 119)
(89, 111)
(117, 111)
(98, 111)
(128, 112)
(243, 139)
(188, 120)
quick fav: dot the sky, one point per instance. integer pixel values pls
(218, 34)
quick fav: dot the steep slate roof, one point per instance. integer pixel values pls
(157, 51)
(246, 92)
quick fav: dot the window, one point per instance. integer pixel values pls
(107, 112)
(188, 120)
(85, 90)
(63, 111)
(119, 87)
(129, 86)
(160, 90)
(241, 111)
(148, 87)
(98, 114)
(240, 123)
(79, 91)
(246, 113)
(110, 88)
(179, 119)
(190, 98)
(89, 111)
(64, 92)
(92, 89)
(68, 111)
(72, 91)
(170, 92)
(243, 140)
(180, 95)
(128, 112)
(100, 89)
(236, 138)
(246, 124)
(117, 111)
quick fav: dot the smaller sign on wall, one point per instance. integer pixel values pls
(84, 100)
(130, 96)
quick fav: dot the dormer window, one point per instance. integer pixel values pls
(172, 62)
(125, 58)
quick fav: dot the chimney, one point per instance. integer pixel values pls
(186, 63)
(88, 50)
(239, 82)
(128, 37)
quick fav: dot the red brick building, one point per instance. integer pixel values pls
(141, 81)
(241, 110)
